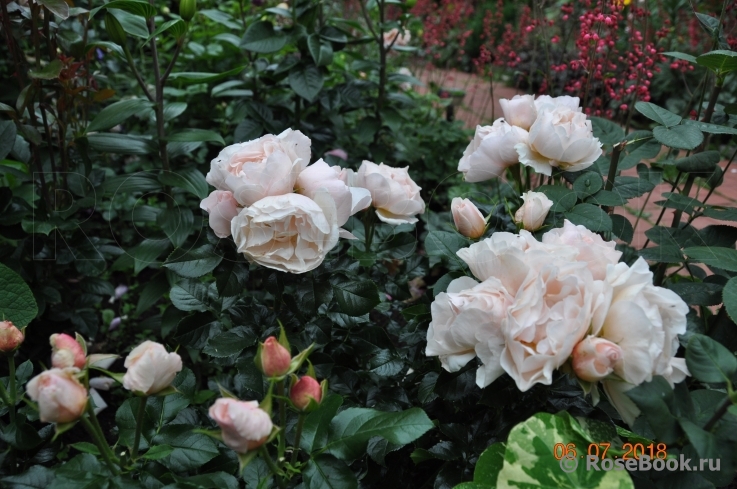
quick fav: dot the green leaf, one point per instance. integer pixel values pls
(720, 61)
(721, 213)
(704, 442)
(60, 8)
(177, 224)
(317, 423)
(590, 216)
(49, 72)
(607, 131)
(724, 258)
(114, 114)
(17, 303)
(709, 361)
(260, 37)
(679, 137)
(230, 342)
(190, 450)
(655, 399)
(606, 197)
(158, 452)
(86, 447)
(587, 183)
(710, 128)
(563, 198)
(306, 81)
(662, 254)
(530, 462)
(729, 297)
(190, 295)
(679, 55)
(187, 77)
(221, 18)
(8, 132)
(631, 187)
(698, 293)
(699, 162)
(193, 263)
(189, 178)
(137, 182)
(679, 201)
(147, 253)
(173, 110)
(351, 429)
(37, 477)
(135, 7)
(658, 114)
(489, 465)
(443, 245)
(641, 150)
(196, 135)
(326, 471)
(177, 27)
(355, 297)
(622, 228)
(132, 24)
(105, 142)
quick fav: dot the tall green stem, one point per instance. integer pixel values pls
(368, 228)
(272, 467)
(101, 444)
(298, 437)
(282, 419)
(11, 386)
(139, 426)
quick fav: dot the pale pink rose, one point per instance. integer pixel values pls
(546, 102)
(519, 111)
(468, 219)
(274, 359)
(60, 396)
(263, 167)
(594, 358)
(532, 213)
(560, 138)
(10, 337)
(151, 368)
(644, 321)
(348, 200)
(291, 232)
(338, 153)
(66, 352)
(245, 426)
(222, 208)
(553, 310)
(592, 249)
(402, 39)
(491, 151)
(394, 194)
(305, 389)
(466, 322)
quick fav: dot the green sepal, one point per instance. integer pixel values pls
(117, 377)
(61, 428)
(311, 370)
(283, 341)
(81, 341)
(266, 403)
(218, 435)
(245, 458)
(226, 393)
(167, 391)
(299, 359)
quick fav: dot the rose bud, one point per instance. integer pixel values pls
(222, 208)
(273, 359)
(151, 368)
(519, 111)
(60, 396)
(468, 219)
(594, 358)
(303, 390)
(66, 352)
(10, 337)
(533, 211)
(245, 425)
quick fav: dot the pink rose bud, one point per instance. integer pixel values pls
(222, 208)
(275, 360)
(151, 368)
(533, 212)
(468, 219)
(594, 358)
(66, 352)
(338, 153)
(303, 390)
(245, 425)
(10, 337)
(60, 396)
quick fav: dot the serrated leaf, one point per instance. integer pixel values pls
(230, 342)
(709, 361)
(306, 81)
(724, 258)
(699, 163)
(326, 471)
(190, 295)
(355, 297)
(17, 303)
(590, 216)
(193, 263)
(658, 114)
(679, 137)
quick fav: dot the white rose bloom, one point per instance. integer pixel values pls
(467, 319)
(519, 111)
(645, 321)
(291, 232)
(468, 218)
(491, 151)
(561, 138)
(533, 211)
(151, 368)
(592, 249)
(222, 208)
(348, 200)
(263, 167)
(545, 102)
(394, 194)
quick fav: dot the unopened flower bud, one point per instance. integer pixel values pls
(533, 212)
(245, 426)
(114, 29)
(594, 358)
(187, 9)
(468, 219)
(60, 396)
(66, 352)
(10, 337)
(303, 390)
(273, 360)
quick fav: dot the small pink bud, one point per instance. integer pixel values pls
(275, 359)
(594, 358)
(468, 219)
(10, 337)
(66, 352)
(303, 390)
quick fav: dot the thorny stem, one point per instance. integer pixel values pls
(272, 467)
(721, 411)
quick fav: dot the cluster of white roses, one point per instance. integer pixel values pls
(565, 301)
(286, 215)
(541, 133)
